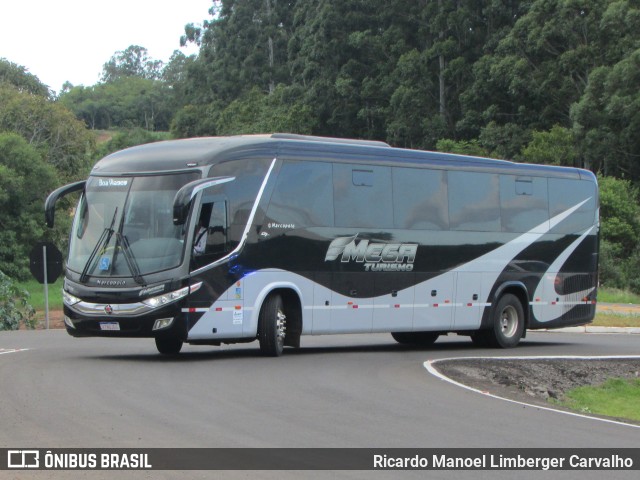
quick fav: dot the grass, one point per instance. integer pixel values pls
(615, 398)
(614, 295)
(36, 291)
(613, 320)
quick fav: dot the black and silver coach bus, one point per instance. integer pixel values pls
(310, 236)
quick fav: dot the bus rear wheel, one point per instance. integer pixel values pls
(272, 326)
(168, 345)
(508, 322)
(422, 339)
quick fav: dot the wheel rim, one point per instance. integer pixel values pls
(281, 326)
(509, 321)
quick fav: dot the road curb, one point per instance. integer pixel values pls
(594, 329)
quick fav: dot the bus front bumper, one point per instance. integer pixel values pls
(167, 321)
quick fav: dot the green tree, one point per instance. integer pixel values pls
(258, 112)
(129, 138)
(607, 118)
(619, 233)
(174, 76)
(61, 139)
(462, 147)
(126, 102)
(134, 61)
(537, 71)
(554, 147)
(195, 121)
(431, 78)
(244, 46)
(413, 120)
(86, 104)
(18, 76)
(25, 180)
(341, 54)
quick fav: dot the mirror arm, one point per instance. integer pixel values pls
(50, 202)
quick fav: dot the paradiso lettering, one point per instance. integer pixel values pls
(376, 257)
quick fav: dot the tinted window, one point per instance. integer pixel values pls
(210, 235)
(242, 192)
(420, 199)
(474, 201)
(303, 195)
(140, 211)
(524, 203)
(362, 196)
(565, 194)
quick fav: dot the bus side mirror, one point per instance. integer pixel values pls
(182, 200)
(50, 202)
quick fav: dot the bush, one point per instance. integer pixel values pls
(619, 233)
(129, 138)
(14, 306)
(25, 181)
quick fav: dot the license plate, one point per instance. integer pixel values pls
(109, 326)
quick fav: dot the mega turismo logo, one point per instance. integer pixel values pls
(375, 256)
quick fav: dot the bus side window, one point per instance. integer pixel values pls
(217, 232)
(566, 193)
(210, 236)
(524, 204)
(362, 196)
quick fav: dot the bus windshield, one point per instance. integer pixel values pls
(123, 226)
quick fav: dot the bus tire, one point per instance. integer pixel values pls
(168, 345)
(422, 339)
(272, 326)
(508, 322)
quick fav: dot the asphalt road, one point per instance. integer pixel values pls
(336, 391)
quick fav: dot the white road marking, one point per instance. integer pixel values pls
(12, 350)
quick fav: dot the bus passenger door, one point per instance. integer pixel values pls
(322, 304)
(433, 308)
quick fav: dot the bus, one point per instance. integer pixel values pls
(221, 240)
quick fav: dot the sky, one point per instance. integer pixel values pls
(70, 40)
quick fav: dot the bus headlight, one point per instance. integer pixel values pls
(69, 299)
(160, 300)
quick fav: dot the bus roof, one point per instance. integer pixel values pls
(201, 153)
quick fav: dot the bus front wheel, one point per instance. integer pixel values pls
(272, 326)
(508, 322)
(168, 345)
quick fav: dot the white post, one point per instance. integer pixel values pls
(46, 288)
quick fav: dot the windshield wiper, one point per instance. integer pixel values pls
(128, 255)
(132, 264)
(104, 239)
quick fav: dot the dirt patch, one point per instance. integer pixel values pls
(56, 320)
(537, 381)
